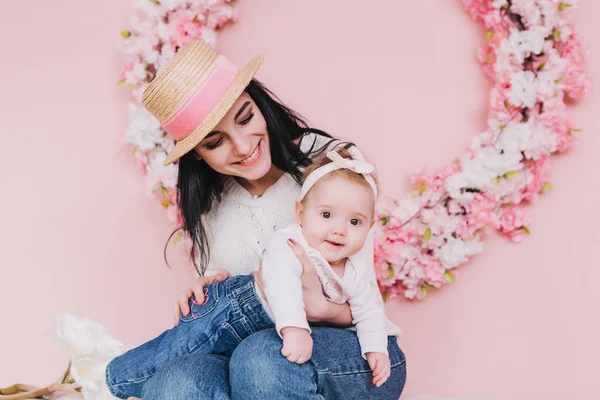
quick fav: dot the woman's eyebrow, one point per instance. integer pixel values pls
(242, 108)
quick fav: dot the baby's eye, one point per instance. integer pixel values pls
(326, 214)
(355, 221)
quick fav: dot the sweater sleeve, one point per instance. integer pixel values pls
(366, 305)
(281, 272)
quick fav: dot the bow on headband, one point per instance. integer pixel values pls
(354, 165)
(338, 162)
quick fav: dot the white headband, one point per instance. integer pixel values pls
(338, 162)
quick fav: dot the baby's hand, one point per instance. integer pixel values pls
(380, 365)
(297, 344)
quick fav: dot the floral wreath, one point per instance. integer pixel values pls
(535, 60)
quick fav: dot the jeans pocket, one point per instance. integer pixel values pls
(197, 310)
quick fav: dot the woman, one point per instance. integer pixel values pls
(241, 153)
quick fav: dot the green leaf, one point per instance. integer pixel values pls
(177, 237)
(558, 80)
(427, 235)
(125, 33)
(511, 175)
(497, 180)
(390, 272)
(121, 82)
(384, 295)
(165, 192)
(563, 6)
(154, 1)
(526, 230)
(449, 276)
(165, 203)
(385, 219)
(422, 187)
(424, 290)
(541, 66)
(546, 186)
(489, 35)
(555, 33)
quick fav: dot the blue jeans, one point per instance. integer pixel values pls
(231, 312)
(255, 369)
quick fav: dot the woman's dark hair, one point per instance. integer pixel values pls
(199, 186)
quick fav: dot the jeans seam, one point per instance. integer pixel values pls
(362, 371)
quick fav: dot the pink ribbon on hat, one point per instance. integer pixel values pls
(202, 101)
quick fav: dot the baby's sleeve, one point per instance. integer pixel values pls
(281, 276)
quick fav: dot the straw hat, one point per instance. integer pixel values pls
(194, 92)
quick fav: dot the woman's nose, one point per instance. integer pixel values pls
(242, 145)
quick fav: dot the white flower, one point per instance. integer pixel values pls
(521, 44)
(159, 174)
(457, 251)
(529, 137)
(144, 130)
(166, 55)
(91, 348)
(550, 12)
(480, 171)
(528, 10)
(499, 3)
(406, 208)
(136, 75)
(209, 36)
(522, 89)
(84, 337)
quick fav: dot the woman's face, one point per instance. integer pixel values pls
(239, 144)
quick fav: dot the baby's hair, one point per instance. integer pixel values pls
(342, 172)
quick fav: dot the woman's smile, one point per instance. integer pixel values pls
(252, 158)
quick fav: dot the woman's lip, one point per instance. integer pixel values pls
(259, 146)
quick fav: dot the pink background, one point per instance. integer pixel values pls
(79, 235)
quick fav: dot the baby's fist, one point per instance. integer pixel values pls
(297, 344)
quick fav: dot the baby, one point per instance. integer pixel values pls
(333, 217)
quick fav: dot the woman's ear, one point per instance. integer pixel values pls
(299, 211)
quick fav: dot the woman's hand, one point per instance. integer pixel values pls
(316, 305)
(196, 289)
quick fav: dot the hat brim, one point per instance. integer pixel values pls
(238, 86)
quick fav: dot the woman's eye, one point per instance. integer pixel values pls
(355, 221)
(326, 214)
(247, 119)
(214, 144)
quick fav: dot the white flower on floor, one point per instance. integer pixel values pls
(91, 348)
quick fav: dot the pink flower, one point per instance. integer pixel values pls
(510, 219)
(141, 160)
(186, 25)
(219, 13)
(575, 79)
(174, 215)
(539, 171)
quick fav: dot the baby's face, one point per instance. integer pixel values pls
(336, 216)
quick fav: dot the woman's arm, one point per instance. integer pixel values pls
(317, 307)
